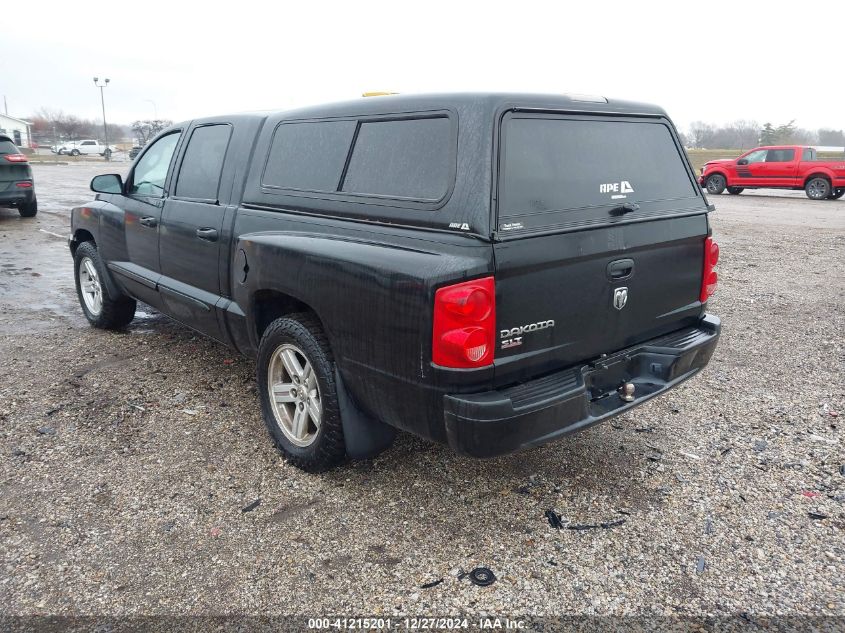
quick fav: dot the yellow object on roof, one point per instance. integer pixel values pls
(378, 93)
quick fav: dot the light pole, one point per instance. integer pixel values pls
(107, 153)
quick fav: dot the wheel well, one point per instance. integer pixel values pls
(816, 175)
(80, 236)
(717, 173)
(269, 305)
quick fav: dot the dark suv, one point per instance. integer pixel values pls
(488, 271)
(17, 189)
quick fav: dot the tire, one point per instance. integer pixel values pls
(817, 188)
(74, 152)
(836, 193)
(100, 308)
(308, 432)
(715, 184)
(28, 209)
(61, 152)
(107, 154)
(735, 191)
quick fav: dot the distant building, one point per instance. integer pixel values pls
(830, 149)
(16, 129)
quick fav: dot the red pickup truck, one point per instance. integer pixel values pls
(776, 167)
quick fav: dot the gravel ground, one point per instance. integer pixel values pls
(132, 463)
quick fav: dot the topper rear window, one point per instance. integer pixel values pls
(557, 171)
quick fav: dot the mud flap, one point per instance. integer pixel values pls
(364, 436)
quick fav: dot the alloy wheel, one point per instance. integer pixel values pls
(294, 395)
(817, 189)
(89, 284)
(715, 184)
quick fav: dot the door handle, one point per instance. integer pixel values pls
(148, 220)
(628, 207)
(209, 235)
(620, 269)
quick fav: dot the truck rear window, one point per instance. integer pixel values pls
(559, 171)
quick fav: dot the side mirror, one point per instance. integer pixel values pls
(742, 161)
(107, 183)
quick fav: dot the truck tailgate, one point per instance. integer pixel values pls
(568, 279)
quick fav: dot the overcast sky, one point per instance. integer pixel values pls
(708, 60)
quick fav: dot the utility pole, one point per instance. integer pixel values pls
(107, 153)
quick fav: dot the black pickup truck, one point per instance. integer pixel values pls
(489, 271)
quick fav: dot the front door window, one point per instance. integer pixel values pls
(151, 171)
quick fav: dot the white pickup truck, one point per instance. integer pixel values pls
(87, 146)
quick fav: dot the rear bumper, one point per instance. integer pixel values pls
(16, 196)
(536, 412)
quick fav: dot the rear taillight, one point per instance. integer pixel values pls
(15, 158)
(709, 278)
(464, 332)
(23, 185)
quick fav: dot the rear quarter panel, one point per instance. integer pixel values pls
(372, 288)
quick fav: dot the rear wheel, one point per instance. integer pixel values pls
(817, 188)
(100, 308)
(735, 191)
(28, 209)
(298, 394)
(715, 184)
(837, 193)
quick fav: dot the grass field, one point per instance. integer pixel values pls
(700, 156)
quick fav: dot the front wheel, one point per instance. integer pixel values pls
(298, 393)
(735, 191)
(817, 188)
(715, 184)
(74, 152)
(28, 209)
(100, 308)
(836, 193)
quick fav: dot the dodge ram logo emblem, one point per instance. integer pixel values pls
(620, 298)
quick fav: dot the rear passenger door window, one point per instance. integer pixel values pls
(780, 155)
(401, 159)
(199, 176)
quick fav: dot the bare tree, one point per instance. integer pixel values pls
(700, 134)
(147, 129)
(746, 133)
